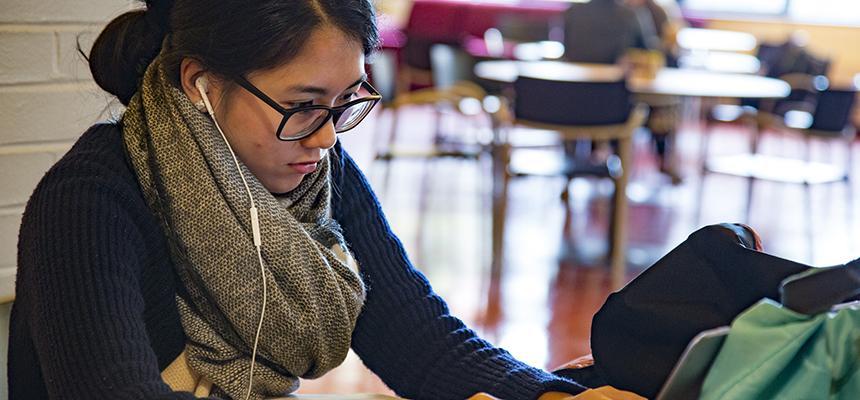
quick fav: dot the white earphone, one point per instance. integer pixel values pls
(202, 85)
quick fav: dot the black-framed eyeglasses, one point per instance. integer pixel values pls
(300, 122)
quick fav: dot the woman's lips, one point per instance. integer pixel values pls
(304, 168)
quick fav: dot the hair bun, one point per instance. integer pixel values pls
(123, 51)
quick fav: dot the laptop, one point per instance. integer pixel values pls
(686, 379)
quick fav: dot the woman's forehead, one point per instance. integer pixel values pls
(329, 60)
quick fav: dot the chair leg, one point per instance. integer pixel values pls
(386, 153)
(567, 228)
(851, 215)
(807, 189)
(754, 144)
(437, 129)
(610, 231)
(423, 205)
(485, 168)
(748, 209)
(810, 229)
(618, 257)
(849, 193)
(501, 178)
(704, 147)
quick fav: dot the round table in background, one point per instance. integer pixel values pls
(721, 61)
(668, 81)
(698, 39)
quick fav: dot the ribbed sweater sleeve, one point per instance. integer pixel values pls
(405, 333)
(81, 252)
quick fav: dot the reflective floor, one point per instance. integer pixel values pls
(555, 276)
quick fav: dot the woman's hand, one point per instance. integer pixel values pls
(601, 393)
(581, 362)
(482, 396)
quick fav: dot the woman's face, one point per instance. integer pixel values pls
(328, 71)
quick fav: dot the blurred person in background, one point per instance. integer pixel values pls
(601, 31)
(604, 31)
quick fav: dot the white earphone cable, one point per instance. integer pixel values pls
(255, 228)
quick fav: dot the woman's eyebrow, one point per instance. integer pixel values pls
(356, 83)
(322, 91)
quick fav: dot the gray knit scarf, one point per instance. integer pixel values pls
(190, 182)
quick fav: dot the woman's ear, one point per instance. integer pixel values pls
(189, 71)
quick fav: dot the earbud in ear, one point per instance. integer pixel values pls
(202, 84)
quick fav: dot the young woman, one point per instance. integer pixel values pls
(216, 241)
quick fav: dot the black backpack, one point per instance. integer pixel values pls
(641, 331)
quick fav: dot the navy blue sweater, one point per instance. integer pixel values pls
(95, 313)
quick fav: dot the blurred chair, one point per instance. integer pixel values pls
(761, 116)
(788, 61)
(767, 114)
(829, 121)
(501, 40)
(453, 98)
(429, 23)
(805, 91)
(590, 111)
(526, 28)
(454, 93)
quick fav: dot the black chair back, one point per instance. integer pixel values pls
(768, 54)
(784, 59)
(571, 103)
(523, 28)
(833, 111)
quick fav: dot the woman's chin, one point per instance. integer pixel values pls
(283, 185)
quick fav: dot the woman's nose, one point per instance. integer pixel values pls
(324, 138)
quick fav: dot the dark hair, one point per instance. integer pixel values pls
(229, 37)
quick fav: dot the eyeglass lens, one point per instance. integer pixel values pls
(306, 122)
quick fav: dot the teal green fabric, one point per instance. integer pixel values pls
(774, 353)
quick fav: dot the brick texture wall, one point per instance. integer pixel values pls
(47, 96)
(47, 99)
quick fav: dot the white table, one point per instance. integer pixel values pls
(698, 39)
(669, 81)
(721, 61)
(547, 49)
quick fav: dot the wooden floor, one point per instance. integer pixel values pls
(555, 275)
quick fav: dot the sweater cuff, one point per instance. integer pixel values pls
(536, 382)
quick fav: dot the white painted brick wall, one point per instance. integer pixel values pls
(26, 56)
(49, 112)
(60, 11)
(69, 63)
(5, 309)
(9, 221)
(47, 97)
